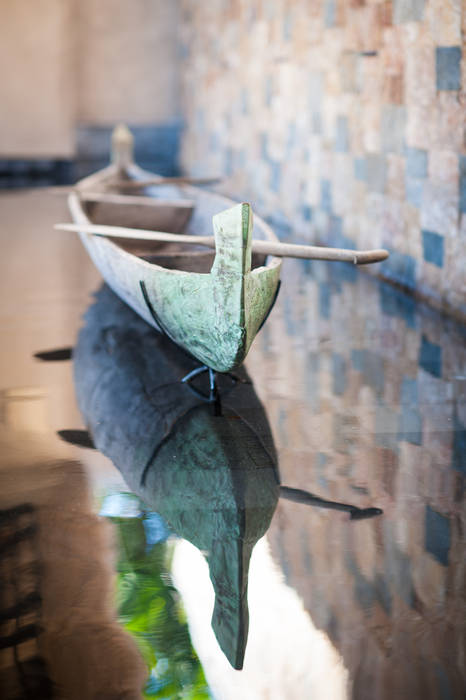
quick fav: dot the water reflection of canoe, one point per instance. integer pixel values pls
(208, 469)
(211, 304)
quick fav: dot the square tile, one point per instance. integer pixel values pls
(448, 67)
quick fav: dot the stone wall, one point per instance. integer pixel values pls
(342, 121)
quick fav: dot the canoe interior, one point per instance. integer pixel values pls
(179, 209)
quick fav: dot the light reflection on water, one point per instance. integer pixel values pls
(365, 395)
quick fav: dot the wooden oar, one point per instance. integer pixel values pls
(284, 250)
(150, 182)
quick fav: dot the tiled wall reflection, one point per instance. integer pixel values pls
(366, 395)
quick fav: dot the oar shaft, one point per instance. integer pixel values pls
(150, 182)
(285, 250)
(137, 234)
(291, 250)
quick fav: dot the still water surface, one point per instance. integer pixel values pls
(357, 588)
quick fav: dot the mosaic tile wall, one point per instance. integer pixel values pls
(340, 120)
(365, 393)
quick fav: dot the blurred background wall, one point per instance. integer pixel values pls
(72, 69)
(342, 121)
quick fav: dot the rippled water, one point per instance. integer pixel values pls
(357, 588)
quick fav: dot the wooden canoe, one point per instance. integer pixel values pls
(211, 304)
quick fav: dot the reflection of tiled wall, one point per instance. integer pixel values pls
(366, 395)
(342, 120)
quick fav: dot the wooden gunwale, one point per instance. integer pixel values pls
(102, 177)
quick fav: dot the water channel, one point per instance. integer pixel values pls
(337, 463)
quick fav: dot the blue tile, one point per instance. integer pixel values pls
(430, 357)
(322, 460)
(323, 483)
(409, 392)
(433, 247)
(437, 535)
(306, 212)
(360, 169)
(213, 141)
(445, 690)
(448, 67)
(357, 360)
(228, 161)
(458, 460)
(372, 368)
(307, 266)
(414, 189)
(335, 231)
(408, 11)
(280, 224)
(291, 141)
(290, 317)
(401, 269)
(330, 13)
(338, 374)
(326, 195)
(157, 147)
(364, 592)
(342, 135)
(462, 164)
(275, 176)
(324, 300)
(416, 162)
(183, 50)
(382, 593)
(410, 426)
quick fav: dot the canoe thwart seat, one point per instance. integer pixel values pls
(138, 200)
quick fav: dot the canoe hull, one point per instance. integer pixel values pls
(213, 316)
